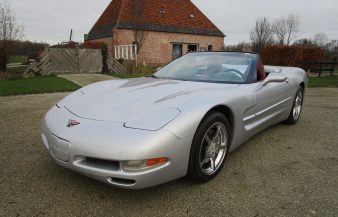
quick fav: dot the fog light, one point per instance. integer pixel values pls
(139, 165)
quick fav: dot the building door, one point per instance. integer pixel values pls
(177, 51)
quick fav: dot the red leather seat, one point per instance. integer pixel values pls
(260, 71)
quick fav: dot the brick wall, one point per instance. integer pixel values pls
(108, 41)
(157, 48)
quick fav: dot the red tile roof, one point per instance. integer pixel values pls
(179, 16)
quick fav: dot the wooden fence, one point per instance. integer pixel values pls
(318, 67)
(72, 61)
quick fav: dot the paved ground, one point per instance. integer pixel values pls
(85, 79)
(284, 171)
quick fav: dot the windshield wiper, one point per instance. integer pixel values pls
(154, 76)
(151, 76)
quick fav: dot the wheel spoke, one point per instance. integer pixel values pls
(219, 127)
(212, 164)
(206, 160)
(223, 146)
(207, 139)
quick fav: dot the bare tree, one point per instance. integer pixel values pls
(138, 30)
(280, 30)
(292, 27)
(242, 46)
(10, 30)
(320, 39)
(286, 29)
(261, 34)
(331, 50)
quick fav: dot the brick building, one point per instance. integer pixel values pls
(169, 29)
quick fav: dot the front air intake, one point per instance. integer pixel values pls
(100, 164)
(122, 182)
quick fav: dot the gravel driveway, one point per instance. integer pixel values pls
(284, 171)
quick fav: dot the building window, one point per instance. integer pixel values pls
(127, 52)
(192, 48)
(177, 51)
(209, 47)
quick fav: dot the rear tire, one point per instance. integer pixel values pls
(209, 148)
(297, 107)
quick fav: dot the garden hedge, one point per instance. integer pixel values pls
(279, 55)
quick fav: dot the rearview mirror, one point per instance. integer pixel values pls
(274, 78)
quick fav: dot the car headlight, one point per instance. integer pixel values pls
(139, 165)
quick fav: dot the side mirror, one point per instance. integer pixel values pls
(274, 78)
(158, 69)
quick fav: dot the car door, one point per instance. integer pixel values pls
(271, 105)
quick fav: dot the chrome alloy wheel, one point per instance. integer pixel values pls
(213, 148)
(297, 109)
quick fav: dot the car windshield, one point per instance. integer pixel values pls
(223, 67)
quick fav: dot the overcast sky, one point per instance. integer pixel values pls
(51, 20)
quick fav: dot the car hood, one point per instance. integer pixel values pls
(140, 99)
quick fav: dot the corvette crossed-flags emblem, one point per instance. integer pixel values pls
(72, 123)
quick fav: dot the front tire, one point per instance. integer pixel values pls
(297, 107)
(209, 148)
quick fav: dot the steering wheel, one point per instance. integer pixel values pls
(237, 72)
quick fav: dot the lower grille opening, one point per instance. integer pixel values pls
(100, 164)
(121, 181)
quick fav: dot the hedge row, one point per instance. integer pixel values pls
(293, 56)
(283, 55)
(3, 60)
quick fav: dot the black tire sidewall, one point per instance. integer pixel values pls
(194, 171)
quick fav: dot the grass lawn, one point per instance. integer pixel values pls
(86, 79)
(47, 84)
(325, 81)
(17, 59)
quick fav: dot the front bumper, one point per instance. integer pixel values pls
(96, 149)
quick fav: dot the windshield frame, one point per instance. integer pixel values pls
(249, 79)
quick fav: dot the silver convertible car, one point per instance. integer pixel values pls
(182, 121)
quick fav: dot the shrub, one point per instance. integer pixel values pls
(283, 55)
(293, 56)
(3, 60)
(104, 53)
(312, 54)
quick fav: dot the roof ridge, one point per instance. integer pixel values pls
(174, 18)
(206, 16)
